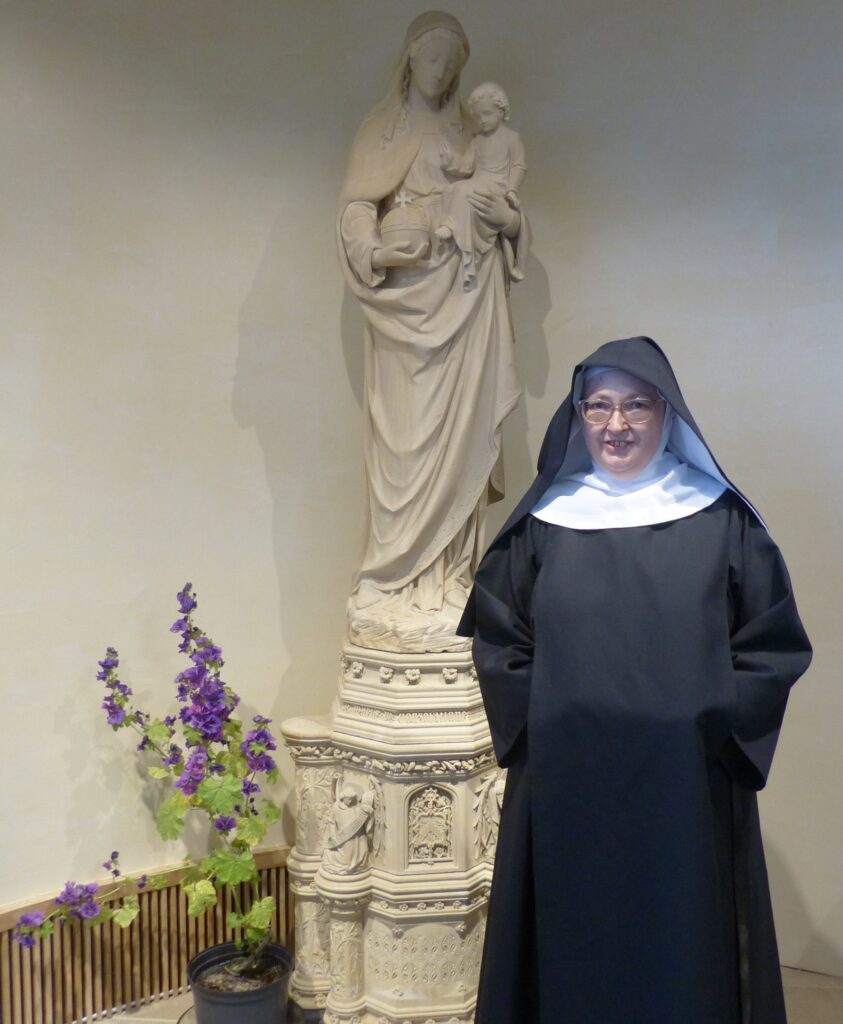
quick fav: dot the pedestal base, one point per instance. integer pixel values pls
(397, 938)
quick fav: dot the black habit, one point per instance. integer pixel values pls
(635, 681)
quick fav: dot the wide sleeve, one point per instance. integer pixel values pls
(500, 605)
(358, 239)
(770, 649)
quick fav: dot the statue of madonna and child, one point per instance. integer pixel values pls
(431, 235)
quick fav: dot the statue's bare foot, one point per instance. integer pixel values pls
(443, 233)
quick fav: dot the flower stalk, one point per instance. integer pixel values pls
(214, 770)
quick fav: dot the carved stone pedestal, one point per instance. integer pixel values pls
(398, 804)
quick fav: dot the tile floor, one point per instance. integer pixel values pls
(811, 999)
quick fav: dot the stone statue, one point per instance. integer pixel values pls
(439, 374)
(347, 843)
(495, 160)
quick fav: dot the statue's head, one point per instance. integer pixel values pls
(349, 794)
(436, 49)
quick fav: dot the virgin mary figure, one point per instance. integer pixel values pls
(439, 374)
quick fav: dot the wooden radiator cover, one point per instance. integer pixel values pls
(82, 974)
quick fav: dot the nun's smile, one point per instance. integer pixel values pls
(619, 447)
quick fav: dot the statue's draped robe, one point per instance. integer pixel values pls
(635, 681)
(439, 374)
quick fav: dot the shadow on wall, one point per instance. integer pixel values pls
(530, 305)
(809, 947)
(290, 389)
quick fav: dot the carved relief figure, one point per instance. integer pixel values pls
(488, 811)
(349, 830)
(429, 825)
(495, 160)
(439, 376)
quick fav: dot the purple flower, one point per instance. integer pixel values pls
(116, 715)
(24, 939)
(258, 741)
(33, 919)
(180, 626)
(144, 743)
(186, 599)
(250, 787)
(79, 900)
(114, 854)
(88, 910)
(260, 762)
(224, 824)
(109, 662)
(206, 653)
(173, 757)
(143, 881)
(193, 772)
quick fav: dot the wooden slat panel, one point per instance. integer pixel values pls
(117, 965)
(47, 948)
(154, 945)
(89, 974)
(58, 977)
(173, 930)
(14, 987)
(37, 984)
(107, 967)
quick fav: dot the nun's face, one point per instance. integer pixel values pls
(618, 447)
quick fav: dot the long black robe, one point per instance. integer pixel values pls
(634, 680)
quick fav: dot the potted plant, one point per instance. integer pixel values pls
(217, 770)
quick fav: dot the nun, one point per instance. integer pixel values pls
(635, 639)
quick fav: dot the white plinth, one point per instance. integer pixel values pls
(398, 940)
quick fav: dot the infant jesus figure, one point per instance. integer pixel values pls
(495, 161)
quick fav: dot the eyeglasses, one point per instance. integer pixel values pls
(598, 411)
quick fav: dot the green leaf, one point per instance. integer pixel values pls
(200, 896)
(270, 812)
(127, 912)
(158, 773)
(260, 913)
(193, 736)
(234, 762)
(170, 817)
(158, 733)
(235, 920)
(231, 868)
(250, 830)
(219, 794)
(159, 882)
(232, 731)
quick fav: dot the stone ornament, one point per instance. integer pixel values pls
(349, 831)
(398, 791)
(431, 234)
(430, 814)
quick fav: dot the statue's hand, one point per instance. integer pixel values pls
(495, 211)
(397, 254)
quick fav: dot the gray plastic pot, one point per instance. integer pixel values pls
(266, 1005)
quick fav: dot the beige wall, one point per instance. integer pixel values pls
(181, 366)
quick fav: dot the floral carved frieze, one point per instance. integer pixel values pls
(314, 797)
(424, 958)
(430, 814)
(312, 938)
(419, 766)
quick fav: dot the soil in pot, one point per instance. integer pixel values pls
(222, 997)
